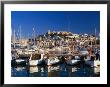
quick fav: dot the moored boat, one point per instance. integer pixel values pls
(93, 63)
(73, 61)
(52, 61)
(36, 60)
(22, 60)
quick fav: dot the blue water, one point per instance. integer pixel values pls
(61, 70)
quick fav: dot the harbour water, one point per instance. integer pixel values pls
(62, 70)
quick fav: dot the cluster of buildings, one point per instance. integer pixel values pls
(63, 38)
(53, 44)
(56, 42)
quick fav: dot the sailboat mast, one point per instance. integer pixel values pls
(95, 36)
(95, 32)
(34, 35)
(20, 33)
(14, 39)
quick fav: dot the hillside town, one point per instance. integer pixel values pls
(54, 46)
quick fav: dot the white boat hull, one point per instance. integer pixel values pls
(72, 62)
(35, 62)
(19, 60)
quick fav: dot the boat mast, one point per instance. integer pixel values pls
(14, 38)
(20, 34)
(95, 32)
(95, 36)
(34, 35)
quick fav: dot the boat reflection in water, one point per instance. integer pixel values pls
(19, 72)
(61, 70)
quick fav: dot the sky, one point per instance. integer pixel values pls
(79, 22)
